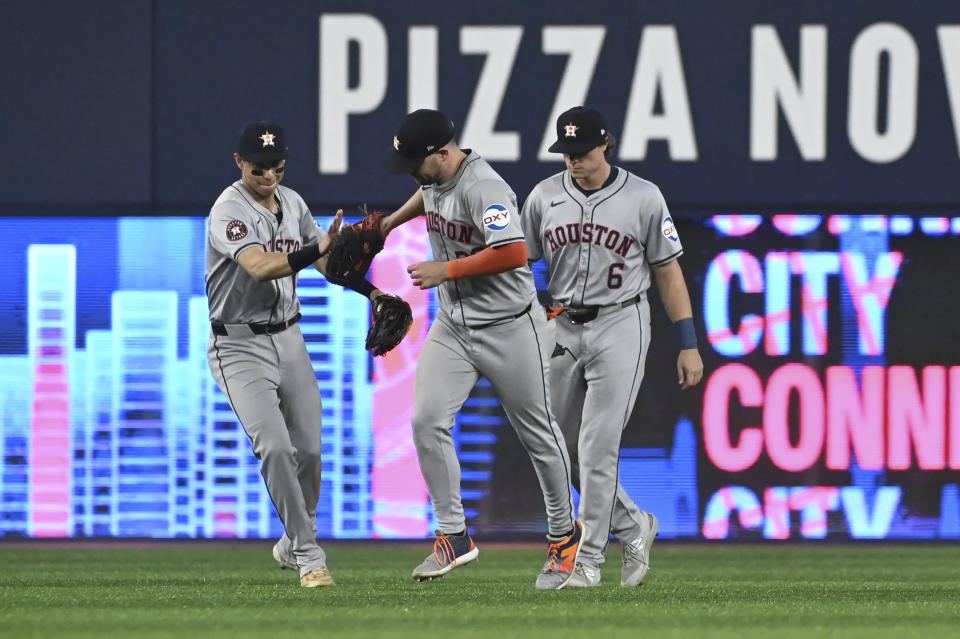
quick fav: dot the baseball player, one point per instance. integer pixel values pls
(260, 235)
(488, 323)
(602, 231)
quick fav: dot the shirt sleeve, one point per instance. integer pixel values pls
(530, 219)
(232, 229)
(493, 207)
(661, 238)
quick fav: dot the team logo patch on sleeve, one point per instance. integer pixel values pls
(236, 230)
(496, 217)
(669, 230)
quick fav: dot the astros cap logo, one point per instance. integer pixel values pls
(396, 143)
(571, 130)
(268, 138)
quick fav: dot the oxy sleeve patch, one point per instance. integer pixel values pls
(236, 230)
(669, 230)
(496, 217)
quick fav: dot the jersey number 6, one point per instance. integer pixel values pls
(614, 278)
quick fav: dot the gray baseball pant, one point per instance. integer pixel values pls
(272, 388)
(515, 356)
(594, 385)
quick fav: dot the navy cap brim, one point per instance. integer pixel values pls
(397, 163)
(563, 146)
(271, 155)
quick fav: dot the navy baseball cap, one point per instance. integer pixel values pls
(579, 130)
(420, 134)
(262, 142)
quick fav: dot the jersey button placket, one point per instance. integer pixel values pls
(584, 255)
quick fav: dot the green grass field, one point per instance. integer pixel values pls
(236, 590)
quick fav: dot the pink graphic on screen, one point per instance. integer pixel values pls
(399, 493)
(934, 225)
(870, 295)
(840, 224)
(815, 267)
(723, 453)
(800, 381)
(716, 521)
(777, 337)
(916, 417)
(794, 224)
(776, 511)
(736, 225)
(50, 340)
(855, 418)
(750, 274)
(814, 502)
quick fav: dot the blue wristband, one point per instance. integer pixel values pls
(686, 333)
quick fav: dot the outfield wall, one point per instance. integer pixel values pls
(735, 105)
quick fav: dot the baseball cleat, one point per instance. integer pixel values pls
(584, 577)
(286, 560)
(318, 577)
(561, 559)
(449, 552)
(636, 553)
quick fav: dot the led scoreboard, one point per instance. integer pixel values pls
(829, 408)
(831, 397)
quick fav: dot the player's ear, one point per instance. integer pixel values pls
(238, 160)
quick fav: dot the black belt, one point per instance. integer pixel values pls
(504, 319)
(584, 314)
(258, 329)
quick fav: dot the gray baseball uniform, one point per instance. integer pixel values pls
(261, 363)
(599, 248)
(489, 326)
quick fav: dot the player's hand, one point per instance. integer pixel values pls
(428, 274)
(689, 368)
(332, 231)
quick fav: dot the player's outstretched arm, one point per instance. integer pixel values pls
(412, 208)
(676, 301)
(264, 266)
(491, 260)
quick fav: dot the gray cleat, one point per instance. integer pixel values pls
(584, 577)
(283, 557)
(550, 579)
(561, 559)
(636, 553)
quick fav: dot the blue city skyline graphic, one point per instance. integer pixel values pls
(154, 448)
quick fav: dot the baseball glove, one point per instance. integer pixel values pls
(353, 249)
(391, 321)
